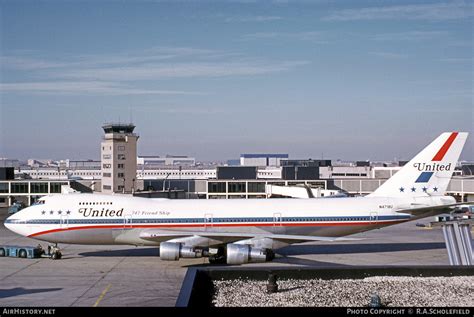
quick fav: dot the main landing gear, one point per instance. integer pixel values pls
(54, 252)
(219, 257)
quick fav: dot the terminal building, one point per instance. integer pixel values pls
(120, 170)
(28, 190)
(168, 160)
(262, 159)
(223, 182)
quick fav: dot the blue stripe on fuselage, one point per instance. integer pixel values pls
(214, 220)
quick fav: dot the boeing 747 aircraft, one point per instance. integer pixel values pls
(243, 231)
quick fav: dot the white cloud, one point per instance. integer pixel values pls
(410, 36)
(389, 55)
(25, 63)
(193, 110)
(432, 11)
(180, 70)
(262, 35)
(315, 36)
(117, 74)
(456, 60)
(84, 88)
(155, 54)
(258, 18)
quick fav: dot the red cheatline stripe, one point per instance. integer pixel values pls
(316, 224)
(439, 156)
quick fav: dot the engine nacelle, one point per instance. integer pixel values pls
(243, 253)
(171, 251)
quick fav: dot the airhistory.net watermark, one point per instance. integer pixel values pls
(27, 311)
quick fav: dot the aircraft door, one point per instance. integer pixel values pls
(127, 222)
(64, 221)
(278, 223)
(374, 217)
(277, 219)
(208, 221)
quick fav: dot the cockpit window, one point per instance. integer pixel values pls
(39, 202)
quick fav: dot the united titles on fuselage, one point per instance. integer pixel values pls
(91, 212)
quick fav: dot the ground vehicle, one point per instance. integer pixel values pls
(16, 207)
(21, 251)
(29, 251)
(464, 209)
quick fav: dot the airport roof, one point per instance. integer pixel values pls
(264, 155)
(118, 127)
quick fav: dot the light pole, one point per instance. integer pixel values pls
(164, 181)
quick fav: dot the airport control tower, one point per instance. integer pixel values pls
(119, 158)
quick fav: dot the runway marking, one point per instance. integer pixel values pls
(102, 295)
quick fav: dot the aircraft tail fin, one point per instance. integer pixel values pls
(429, 172)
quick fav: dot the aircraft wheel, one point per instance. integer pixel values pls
(56, 255)
(2, 252)
(217, 259)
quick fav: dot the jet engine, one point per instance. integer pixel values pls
(243, 253)
(171, 251)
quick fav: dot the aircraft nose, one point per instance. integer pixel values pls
(9, 223)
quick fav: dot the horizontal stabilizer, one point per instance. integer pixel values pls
(430, 209)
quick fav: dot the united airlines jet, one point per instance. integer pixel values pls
(243, 231)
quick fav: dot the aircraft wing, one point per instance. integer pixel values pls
(160, 235)
(215, 238)
(300, 239)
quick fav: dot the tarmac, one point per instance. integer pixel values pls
(135, 276)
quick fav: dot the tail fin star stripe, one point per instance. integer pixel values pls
(433, 167)
(442, 151)
(424, 177)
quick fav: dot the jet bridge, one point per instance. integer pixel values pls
(300, 192)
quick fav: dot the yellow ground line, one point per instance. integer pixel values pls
(102, 295)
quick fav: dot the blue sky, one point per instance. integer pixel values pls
(341, 79)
